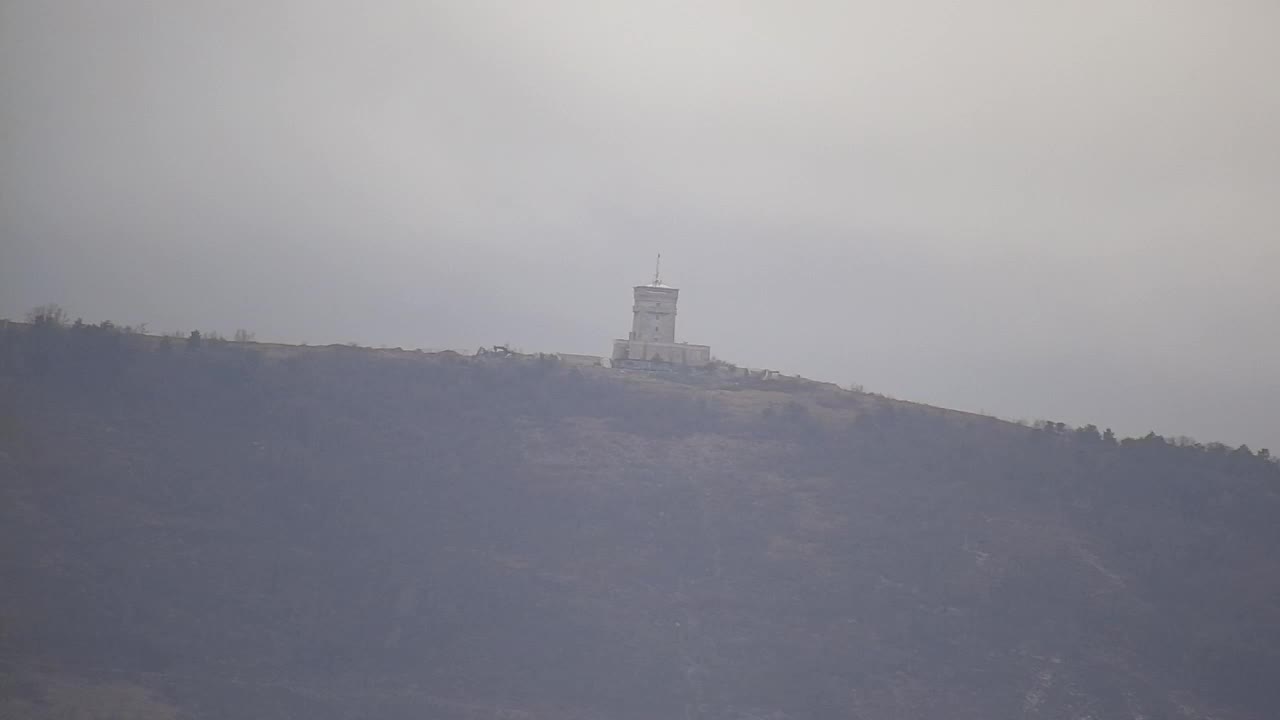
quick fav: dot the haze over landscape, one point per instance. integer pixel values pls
(962, 213)
(1062, 211)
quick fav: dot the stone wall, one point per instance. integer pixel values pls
(674, 353)
(583, 360)
(654, 314)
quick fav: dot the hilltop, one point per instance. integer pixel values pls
(218, 529)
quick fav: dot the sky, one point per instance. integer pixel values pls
(1036, 210)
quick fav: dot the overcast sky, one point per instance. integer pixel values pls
(1065, 210)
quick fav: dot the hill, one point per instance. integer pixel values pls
(225, 530)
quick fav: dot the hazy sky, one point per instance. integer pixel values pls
(1065, 210)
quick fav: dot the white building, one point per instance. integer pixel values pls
(653, 330)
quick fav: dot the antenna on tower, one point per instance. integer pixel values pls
(657, 268)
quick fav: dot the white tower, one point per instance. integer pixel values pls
(653, 330)
(654, 313)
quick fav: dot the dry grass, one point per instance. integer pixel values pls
(48, 697)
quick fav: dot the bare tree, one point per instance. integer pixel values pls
(47, 314)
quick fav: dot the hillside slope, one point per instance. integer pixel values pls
(235, 530)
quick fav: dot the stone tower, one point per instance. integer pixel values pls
(653, 330)
(654, 313)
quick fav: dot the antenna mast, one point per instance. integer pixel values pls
(657, 267)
